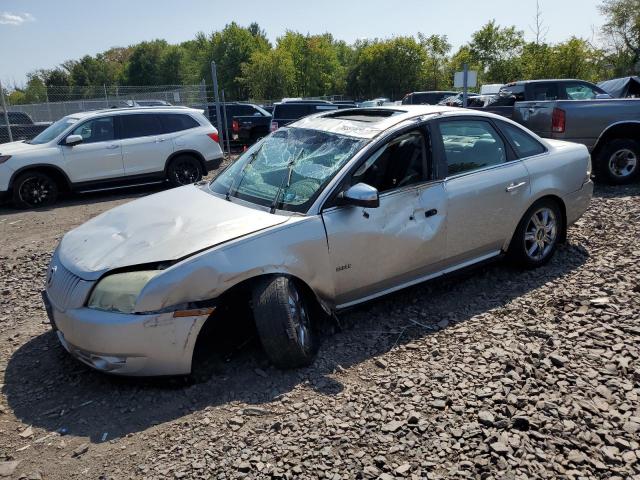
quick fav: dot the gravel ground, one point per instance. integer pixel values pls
(493, 373)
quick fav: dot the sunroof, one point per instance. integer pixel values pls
(364, 116)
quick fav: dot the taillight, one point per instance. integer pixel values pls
(214, 136)
(235, 126)
(274, 126)
(558, 120)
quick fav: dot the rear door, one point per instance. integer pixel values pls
(145, 146)
(99, 156)
(487, 187)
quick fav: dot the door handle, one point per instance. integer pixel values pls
(430, 213)
(515, 186)
(112, 147)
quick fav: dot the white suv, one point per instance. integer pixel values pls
(108, 149)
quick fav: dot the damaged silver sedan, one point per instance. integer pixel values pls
(331, 211)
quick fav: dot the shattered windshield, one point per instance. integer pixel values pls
(288, 169)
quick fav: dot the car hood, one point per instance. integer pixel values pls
(12, 148)
(166, 226)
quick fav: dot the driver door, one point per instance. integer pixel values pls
(377, 250)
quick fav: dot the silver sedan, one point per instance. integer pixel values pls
(331, 211)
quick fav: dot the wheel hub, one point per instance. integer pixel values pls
(623, 163)
(541, 234)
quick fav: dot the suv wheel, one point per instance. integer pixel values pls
(283, 322)
(619, 161)
(184, 170)
(34, 189)
(536, 238)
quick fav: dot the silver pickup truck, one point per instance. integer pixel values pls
(580, 112)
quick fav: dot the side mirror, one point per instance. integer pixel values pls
(360, 195)
(72, 140)
(603, 96)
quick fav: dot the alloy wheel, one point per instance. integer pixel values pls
(623, 163)
(186, 172)
(300, 318)
(36, 191)
(541, 234)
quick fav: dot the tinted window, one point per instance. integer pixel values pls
(545, 91)
(429, 98)
(174, 122)
(16, 118)
(579, 91)
(524, 144)
(398, 164)
(96, 130)
(516, 91)
(141, 125)
(471, 144)
(292, 111)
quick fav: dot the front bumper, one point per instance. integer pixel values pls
(129, 344)
(577, 203)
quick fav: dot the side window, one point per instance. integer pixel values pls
(140, 125)
(399, 163)
(545, 91)
(524, 144)
(471, 144)
(579, 91)
(96, 130)
(175, 122)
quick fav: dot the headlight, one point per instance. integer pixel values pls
(119, 292)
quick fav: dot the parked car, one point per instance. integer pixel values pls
(473, 100)
(426, 98)
(150, 103)
(376, 102)
(106, 149)
(581, 112)
(342, 104)
(331, 211)
(292, 110)
(22, 127)
(491, 88)
(239, 110)
(247, 129)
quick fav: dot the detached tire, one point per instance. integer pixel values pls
(184, 170)
(537, 236)
(34, 189)
(618, 163)
(283, 323)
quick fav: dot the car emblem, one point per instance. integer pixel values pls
(52, 273)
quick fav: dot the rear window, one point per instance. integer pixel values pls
(15, 118)
(140, 125)
(523, 143)
(516, 91)
(292, 111)
(545, 91)
(174, 122)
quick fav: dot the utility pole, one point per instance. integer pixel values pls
(214, 75)
(6, 115)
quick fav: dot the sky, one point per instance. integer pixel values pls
(44, 33)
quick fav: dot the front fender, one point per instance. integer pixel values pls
(297, 248)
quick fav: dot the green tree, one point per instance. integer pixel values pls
(269, 74)
(622, 29)
(498, 50)
(437, 48)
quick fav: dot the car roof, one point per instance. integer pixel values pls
(353, 122)
(125, 110)
(544, 80)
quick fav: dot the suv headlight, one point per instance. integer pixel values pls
(119, 292)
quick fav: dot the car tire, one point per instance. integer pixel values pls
(184, 170)
(34, 190)
(283, 323)
(537, 236)
(618, 162)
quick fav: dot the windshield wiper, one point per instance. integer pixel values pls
(287, 178)
(236, 183)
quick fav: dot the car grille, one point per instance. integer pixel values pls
(64, 288)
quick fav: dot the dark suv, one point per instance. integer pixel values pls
(290, 111)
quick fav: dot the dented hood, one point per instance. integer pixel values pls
(161, 227)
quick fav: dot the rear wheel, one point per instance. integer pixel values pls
(283, 322)
(184, 170)
(619, 161)
(537, 236)
(34, 189)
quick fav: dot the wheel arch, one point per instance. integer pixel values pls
(61, 178)
(193, 153)
(620, 130)
(545, 196)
